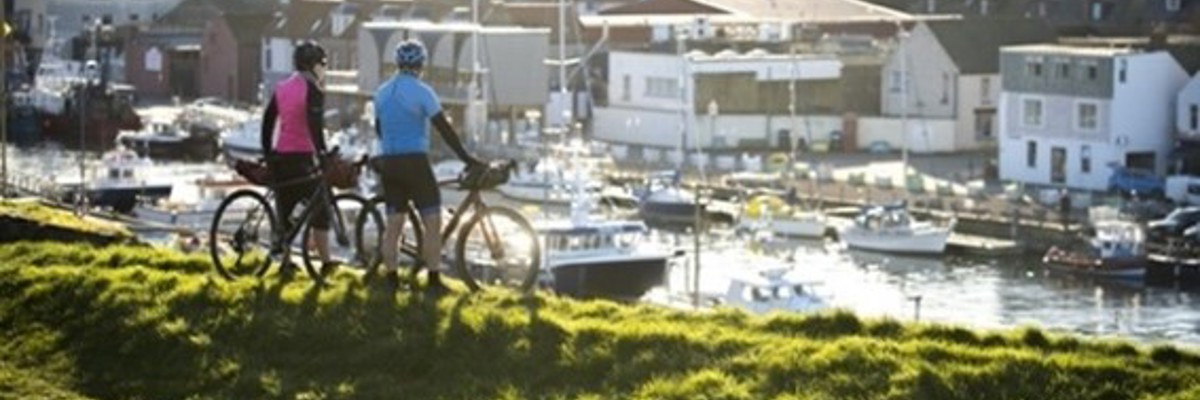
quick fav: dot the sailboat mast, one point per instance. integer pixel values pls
(562, 66)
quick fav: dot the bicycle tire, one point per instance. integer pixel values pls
(410, 241)
(346, 207)
(521, 274)
(247, 231)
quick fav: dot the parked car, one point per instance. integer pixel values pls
(1128, 181)
(1174, 224)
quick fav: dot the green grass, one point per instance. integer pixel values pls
(34, 210)
(127, 322)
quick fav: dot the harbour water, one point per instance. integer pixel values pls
(979, 292)
(985, 293)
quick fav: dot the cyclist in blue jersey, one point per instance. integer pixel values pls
(404, 105)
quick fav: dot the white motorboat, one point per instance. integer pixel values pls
(241, 141)
(764, 290)
(551, 179)
(590, 257)
(192, 203)
(122, 179)
(892, 229)
(674, 205)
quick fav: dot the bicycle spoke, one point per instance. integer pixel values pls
(498, 248)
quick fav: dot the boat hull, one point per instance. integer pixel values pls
(618, 278)
(923, 243)
(1078, 263)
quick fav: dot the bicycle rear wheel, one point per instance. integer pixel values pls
(498, 247)
(241, 235)
(343, 241)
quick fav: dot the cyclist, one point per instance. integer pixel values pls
(403, 106)
(292, 141)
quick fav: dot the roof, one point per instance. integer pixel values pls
(197, 13)
(974, 44)
(758, 10)
(298, 20)
(247, 28)
(1061, 49)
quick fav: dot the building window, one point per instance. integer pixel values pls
(86, 18)
(1031, 154)
(1085, 159)
(625, 88)
(1092, 72)
(1031, 112)
(1194, 117)
(1033, 66)
(1173, 5)
(896, 83)
(133, 17)
(985, 90)
(1121, 71)
(267, 58)
(662, 87)
(1100, 10)
(945, 88)
(1064, 70)
(1086, 116)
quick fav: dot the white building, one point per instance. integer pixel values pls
(1067, 112)
(1187, 115)
(954, 75)
(666, 101)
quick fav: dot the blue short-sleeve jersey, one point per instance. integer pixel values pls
(404, 105)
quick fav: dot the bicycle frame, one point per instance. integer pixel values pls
(322, 196)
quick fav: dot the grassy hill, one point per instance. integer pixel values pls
(126, 322)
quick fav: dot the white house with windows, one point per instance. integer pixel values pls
(727, 100)
(954, 74)
(1187, 115)
(1068, 112)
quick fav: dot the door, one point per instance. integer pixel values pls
(1058, 165)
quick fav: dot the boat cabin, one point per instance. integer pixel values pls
(771, 289)
(608, 237)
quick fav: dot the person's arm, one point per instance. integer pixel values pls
(268, 126)
(316, 117)
(451, 138)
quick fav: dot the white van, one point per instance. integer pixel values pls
(1183, 189)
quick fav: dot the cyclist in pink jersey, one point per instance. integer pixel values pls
(293, 140)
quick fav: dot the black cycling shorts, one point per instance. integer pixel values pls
(405, 178)
(288, 172)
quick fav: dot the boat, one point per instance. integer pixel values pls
(163, 140)
(241, 141)
(588, 257)
(550, 179)
(891, 229)
(123, 180)
(764, 290)
(771, 214)
(61, 87)
(664, 202)
(1117, 251)
(192, 203)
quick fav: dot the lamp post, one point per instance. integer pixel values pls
(713, 110)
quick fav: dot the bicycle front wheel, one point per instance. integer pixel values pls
(241, 235)
(348, 208)
(498, 247)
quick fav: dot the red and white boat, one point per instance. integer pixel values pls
(1117, 251)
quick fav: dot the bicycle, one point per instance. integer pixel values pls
(481, 257)
(244, 235)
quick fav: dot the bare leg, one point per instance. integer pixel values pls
(391, 241)
(321, 241)
(431, 252)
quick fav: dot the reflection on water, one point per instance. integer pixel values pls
(999, 293)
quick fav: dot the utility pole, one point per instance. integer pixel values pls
(904, 100)
(4, 101)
